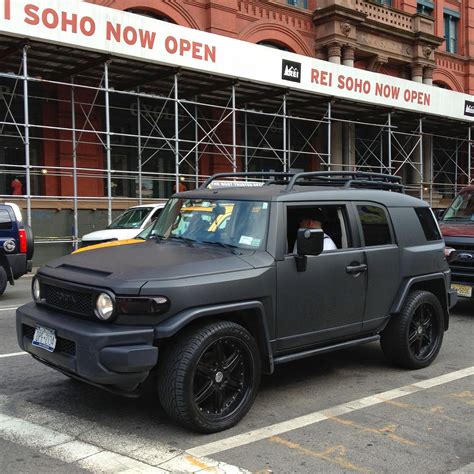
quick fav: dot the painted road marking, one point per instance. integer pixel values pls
(12, 354)
(66, 448)
(316, 417)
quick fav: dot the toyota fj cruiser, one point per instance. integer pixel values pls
(16, 245)
(207, 311)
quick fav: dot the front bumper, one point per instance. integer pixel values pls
(114, 357)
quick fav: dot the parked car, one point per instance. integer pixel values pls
(207, 312)
(457, 227)
(16, 245)
(126, 226)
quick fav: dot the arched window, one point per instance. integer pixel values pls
(273, 44)
(150, 14)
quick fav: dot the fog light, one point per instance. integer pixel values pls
(104, 307)
(36, 289)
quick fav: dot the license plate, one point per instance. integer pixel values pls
(45, 338)
(462, 290)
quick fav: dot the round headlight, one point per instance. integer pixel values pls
(35, 289)
(104, 307)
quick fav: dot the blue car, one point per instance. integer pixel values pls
(16, 245)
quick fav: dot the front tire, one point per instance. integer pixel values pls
(413, 338)
(209, 377)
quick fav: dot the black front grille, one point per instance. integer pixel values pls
(62, 345)
(73, 301)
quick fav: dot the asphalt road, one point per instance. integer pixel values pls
(341, 412)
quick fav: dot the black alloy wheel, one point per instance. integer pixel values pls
(412, 339)
(222, 379)
(208, 377)
(423, 332)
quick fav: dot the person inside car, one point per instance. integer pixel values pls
(311, 222)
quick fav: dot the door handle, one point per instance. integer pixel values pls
(356, 269)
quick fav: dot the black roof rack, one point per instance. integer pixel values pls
(345, 179)
(281, 178)
(348, 179)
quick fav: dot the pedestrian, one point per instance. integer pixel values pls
(16, 187)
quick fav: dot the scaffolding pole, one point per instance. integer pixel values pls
(246, 154)
(285, 156)
(420, 172)
(329, 137)
(74, 163)
(176, 132)
(108, 146)
(27, 133)
(139, 143)
(469, 157)
(234, 132)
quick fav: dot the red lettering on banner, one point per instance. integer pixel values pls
(130, 35)
(183, 46)
(323, 78)
(113, 30)
(7, 10)
(356, 85)
(387, 91)
(65, 22)
(32, 17)
(415, 97)
(50, 18)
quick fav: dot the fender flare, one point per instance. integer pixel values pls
(408, 284)
(175, 323)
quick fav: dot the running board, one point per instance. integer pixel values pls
(323, 350)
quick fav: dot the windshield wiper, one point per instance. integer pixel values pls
(222, 244)
(190, 242)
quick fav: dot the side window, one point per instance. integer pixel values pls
(5, 220)
(375, 225)
(332, 219)
(428, 223)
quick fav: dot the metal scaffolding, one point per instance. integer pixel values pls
(93, 132)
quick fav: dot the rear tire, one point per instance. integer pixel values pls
(3, 280)
(412, 339)
(209, 376)
(30, 242)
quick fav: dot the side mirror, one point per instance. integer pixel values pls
(310, 242)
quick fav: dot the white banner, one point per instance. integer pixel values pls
(105, 30)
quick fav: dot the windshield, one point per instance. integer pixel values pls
(241, 224)
(131, 219)
(461, 209)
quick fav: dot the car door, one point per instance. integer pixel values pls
(383, 261)
(327, 300)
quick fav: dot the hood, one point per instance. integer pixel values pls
(112, 243)
(108, 234)
(457, 230)
(121, 266)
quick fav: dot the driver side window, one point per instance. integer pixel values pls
(332, 219)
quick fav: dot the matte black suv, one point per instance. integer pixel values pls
(16, 245)
(207, 308)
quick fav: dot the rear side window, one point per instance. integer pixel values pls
(375, 225)
(428, 223)
(5, 221)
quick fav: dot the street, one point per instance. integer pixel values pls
(340, 412)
